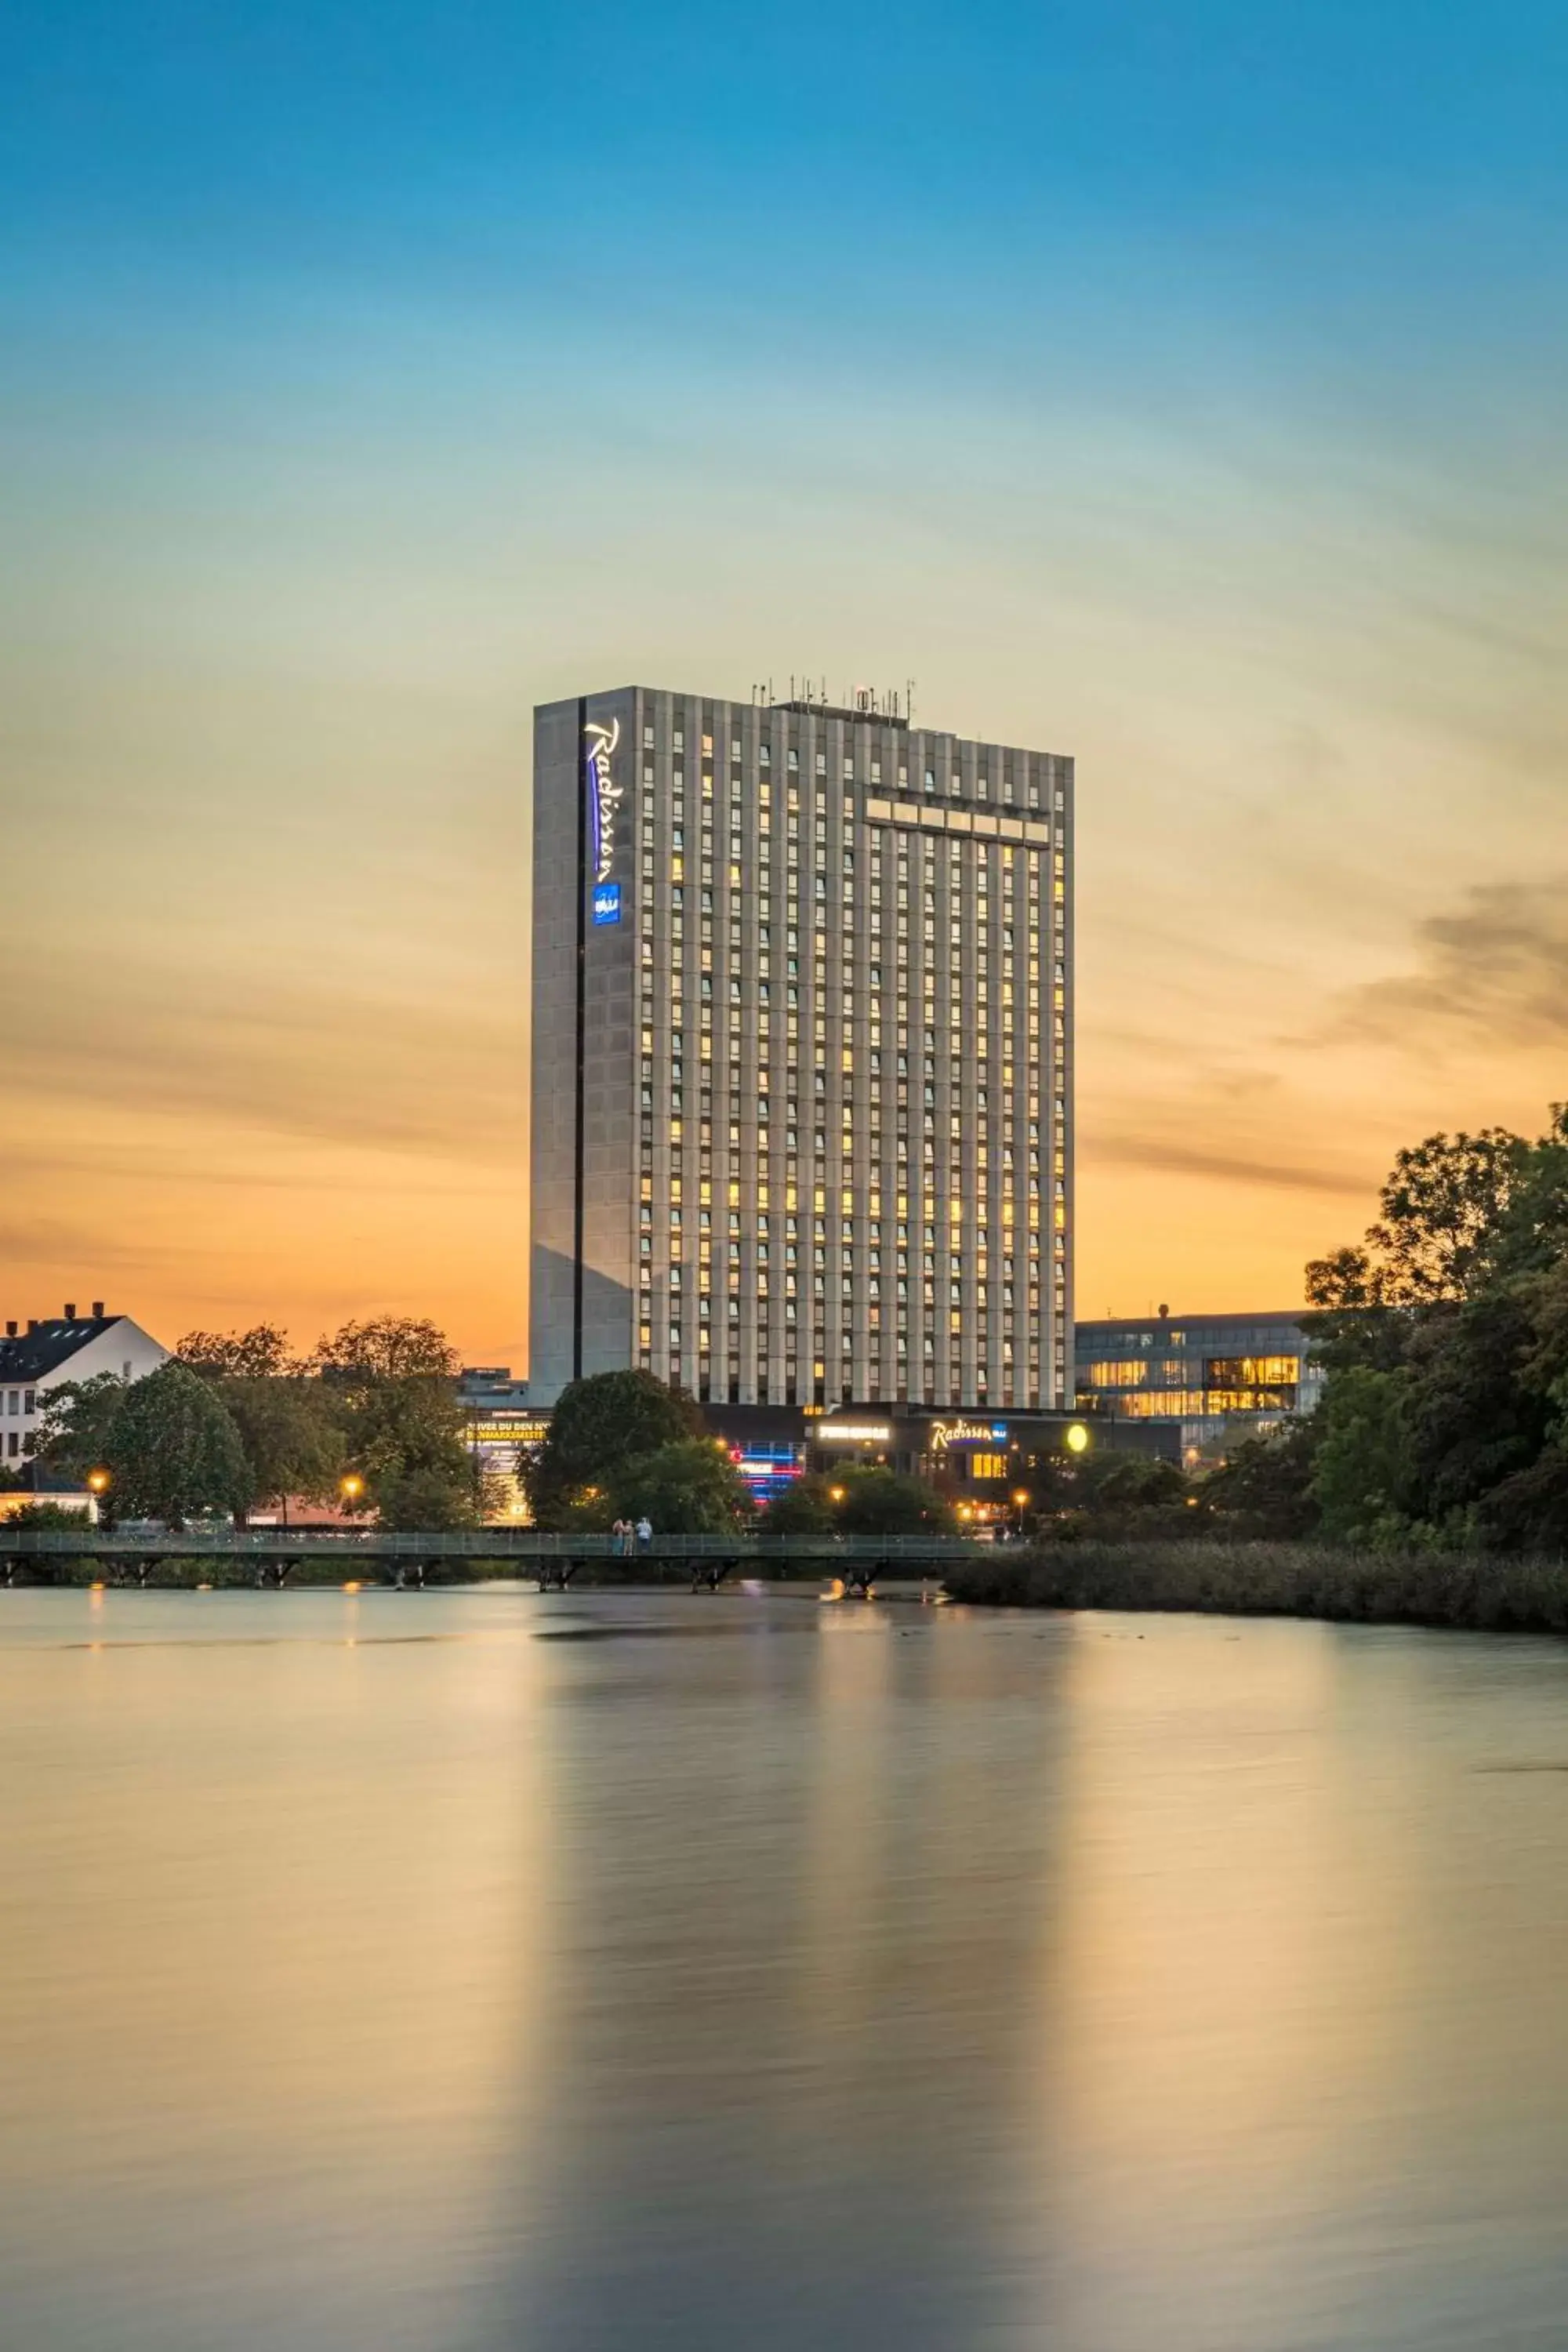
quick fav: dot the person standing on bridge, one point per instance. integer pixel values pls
(645, 1532)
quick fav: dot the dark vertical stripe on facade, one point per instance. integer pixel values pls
(579, 1107)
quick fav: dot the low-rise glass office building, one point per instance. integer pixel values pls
(1218, 1377)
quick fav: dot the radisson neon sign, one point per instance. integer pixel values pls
(944, 1433)
(603, 793)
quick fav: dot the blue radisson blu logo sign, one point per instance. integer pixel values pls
(603, 797)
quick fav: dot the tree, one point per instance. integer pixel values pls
(1112, 1493)
(76, 1423)
(260, 1353)
(877, 1502)
(1445, 1208)
(599, 1425)
(688, 1488)
(801, 1507)
(1263, 1489)
(289, 1423)
(1528, 1510)
(1471, 1416)
(292, 1431)
(1360, 1480)
(1446, 1342)
(174, 1450)
(1532, 1234)
(388, 1347)
(393, 1381)
(54, 1516)
(440, 1495)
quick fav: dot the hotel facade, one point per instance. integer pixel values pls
(803, 1129)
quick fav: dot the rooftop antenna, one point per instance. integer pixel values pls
(909, 700)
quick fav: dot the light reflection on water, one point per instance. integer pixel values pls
(381, 1977)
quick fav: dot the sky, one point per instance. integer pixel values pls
(1177, 387)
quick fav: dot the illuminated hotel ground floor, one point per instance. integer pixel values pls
(981, 1461)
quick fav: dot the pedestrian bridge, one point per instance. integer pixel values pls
(134, 1554)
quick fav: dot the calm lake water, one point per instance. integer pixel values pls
(474, 1973)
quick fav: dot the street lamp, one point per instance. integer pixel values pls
(1020, 1504)
(836, 1494)
(97, 1485)
(1077, 1439)
(351, 1488)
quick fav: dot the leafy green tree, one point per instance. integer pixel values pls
(1528, 1510)
(388, 1347)
(75, 1424)
(431, 1497)
(877, 1502)
(1113, 1479)
(1262, 1491)
(1457, 1212)
(172, 1450)
(262, 1353)
(291, 1424)
(51, 1515)
(1470, 1417)
(1531, 1236)
(599, 1425)
(293, 1435)
(1361, 1475)
(393, 1383)
(802, 1507)
(1113, 1493)
(688, 1488)
(1377, 1338)
(1445, 1337)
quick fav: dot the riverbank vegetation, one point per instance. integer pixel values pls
(1430, 1486)
(1443, 1428)
(1464, 1591)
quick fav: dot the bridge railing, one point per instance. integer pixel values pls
(525, 1544)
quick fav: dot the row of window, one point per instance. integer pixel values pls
(1214, 1373)
(1014, 1398)
(1030, 785)
(975, 884)
(1191, 1405)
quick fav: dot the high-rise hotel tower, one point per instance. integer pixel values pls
(802, 1055)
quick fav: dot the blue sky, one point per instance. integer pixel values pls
(1178, 386)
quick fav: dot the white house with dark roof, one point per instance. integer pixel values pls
(70, 1347)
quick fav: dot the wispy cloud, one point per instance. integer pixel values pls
(1157, 1148)
(275, 1056)
(1493, 971)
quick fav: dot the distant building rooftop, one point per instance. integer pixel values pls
(44, 1347)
